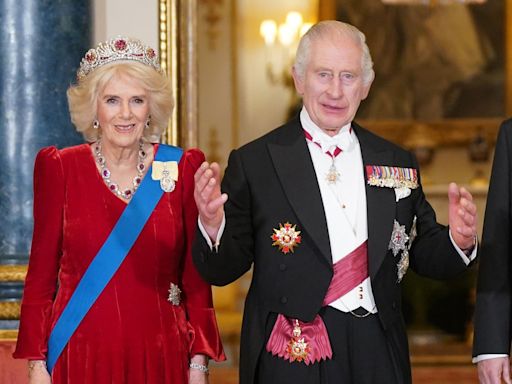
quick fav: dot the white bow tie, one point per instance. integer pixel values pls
(342, 140)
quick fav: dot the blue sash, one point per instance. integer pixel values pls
(110, 256)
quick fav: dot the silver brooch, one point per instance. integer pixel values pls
(400, 241)
(166, 183)
(166, 172)
(174, 295)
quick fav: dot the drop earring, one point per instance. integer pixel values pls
(96, 124)
(146, 124)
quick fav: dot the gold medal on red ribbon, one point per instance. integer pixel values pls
(297, 348)
(286, 237)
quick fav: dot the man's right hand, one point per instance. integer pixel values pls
(209, 199)
(492, 371)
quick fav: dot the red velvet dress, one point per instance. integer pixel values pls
(132, 333)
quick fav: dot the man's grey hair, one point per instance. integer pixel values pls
(330, 27)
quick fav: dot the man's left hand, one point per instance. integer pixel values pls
(462, 217)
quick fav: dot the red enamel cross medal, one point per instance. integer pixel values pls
(297, 348)
(286, 237)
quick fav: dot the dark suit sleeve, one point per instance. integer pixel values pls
(235, 254)
(492, 315)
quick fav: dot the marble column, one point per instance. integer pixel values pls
(41, 44)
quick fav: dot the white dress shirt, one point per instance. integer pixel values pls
(344, 202)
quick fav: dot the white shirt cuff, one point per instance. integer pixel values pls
(207, 237)
(487, 356)
(467, 259)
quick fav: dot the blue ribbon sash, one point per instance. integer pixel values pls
(110, 257)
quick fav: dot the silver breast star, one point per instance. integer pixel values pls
(398, 238)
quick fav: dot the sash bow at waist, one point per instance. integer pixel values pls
(312, 337)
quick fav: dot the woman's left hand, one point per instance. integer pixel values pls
(197, 377)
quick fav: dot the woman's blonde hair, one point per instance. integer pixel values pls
(82, 97)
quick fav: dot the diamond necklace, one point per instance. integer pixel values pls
(105, 172)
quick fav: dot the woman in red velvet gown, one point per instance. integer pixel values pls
(137, 331)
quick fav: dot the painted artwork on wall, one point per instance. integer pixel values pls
(432, 62)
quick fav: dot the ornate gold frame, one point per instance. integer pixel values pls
(446, 132)
(13, 272)
(178, 55)
(11, 309)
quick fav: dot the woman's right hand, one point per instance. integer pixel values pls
(37, 372)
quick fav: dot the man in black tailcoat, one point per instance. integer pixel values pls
(329, 216)
(493, 314)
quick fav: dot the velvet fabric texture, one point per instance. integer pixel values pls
(132, 333)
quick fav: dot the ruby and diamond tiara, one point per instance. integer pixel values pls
(120, 48)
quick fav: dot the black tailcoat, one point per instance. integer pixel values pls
(271, 181)
(493, 317)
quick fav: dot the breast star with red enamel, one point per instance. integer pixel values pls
(286, 237)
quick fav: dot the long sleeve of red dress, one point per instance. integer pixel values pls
(41, 280)
(197, 293)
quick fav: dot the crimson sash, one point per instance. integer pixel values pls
(349, 272)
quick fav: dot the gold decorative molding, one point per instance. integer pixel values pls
(168, 40)
(188, 79)
(13, 272)
(9, 310)
(178, 54)
(178, 50)
(8, 334)
(434, 134)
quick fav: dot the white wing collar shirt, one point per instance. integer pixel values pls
(344, 201)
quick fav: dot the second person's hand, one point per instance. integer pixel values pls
(209, 199)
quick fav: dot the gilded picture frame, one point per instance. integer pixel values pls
(178, 56)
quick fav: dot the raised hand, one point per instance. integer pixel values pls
(209, 199)
(462, 217)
